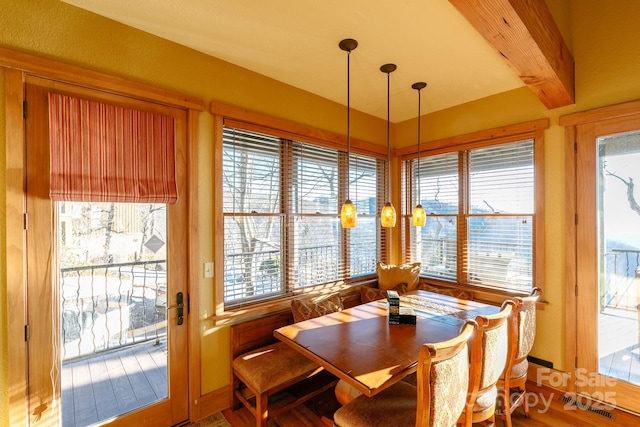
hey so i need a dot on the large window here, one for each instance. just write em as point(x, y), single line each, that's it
point(281, 203)
point(481, 214)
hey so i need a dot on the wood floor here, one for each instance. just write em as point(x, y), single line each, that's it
point(547, 410)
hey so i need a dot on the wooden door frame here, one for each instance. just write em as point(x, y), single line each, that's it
point(571, 122)
point(16, 65)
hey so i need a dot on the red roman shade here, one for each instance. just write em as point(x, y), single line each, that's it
point(107, 153)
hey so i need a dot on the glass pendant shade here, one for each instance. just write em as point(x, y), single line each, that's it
point(348, 215)
point(419, 217)
point(388, 215)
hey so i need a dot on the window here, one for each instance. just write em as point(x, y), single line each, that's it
point(480, 201)
point(281, 203)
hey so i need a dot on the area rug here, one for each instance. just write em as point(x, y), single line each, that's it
point(215, 420)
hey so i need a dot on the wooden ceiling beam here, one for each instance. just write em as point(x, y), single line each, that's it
point(527, 37)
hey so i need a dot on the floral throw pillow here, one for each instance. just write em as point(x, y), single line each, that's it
point(368, 294)
point(305, 310)
point(457, 293)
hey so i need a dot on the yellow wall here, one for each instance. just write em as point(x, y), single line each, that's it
point(600, 35)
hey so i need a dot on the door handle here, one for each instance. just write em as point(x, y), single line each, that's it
point(180, 308)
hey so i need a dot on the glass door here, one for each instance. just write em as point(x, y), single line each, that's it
point(106, 291)
point(608, 277)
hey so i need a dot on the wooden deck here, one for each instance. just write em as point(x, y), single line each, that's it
point(112, 383)
point(618, 346)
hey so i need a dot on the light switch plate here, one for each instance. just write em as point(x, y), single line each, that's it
point(208, 270)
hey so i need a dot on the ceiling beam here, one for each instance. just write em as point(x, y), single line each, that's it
point(527, 37)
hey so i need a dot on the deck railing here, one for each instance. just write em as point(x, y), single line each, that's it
point(621, 280)
point(111, 305)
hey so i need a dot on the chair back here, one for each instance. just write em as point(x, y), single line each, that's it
point(488, 358)
point(524, 326)
point(443, 378)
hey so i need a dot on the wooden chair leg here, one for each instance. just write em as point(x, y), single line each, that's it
point(235, 384)
point(262, 410)
point(525, 403)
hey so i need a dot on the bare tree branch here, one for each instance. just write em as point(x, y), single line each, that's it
point(630, 188)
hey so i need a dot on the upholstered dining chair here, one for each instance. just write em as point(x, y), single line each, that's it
point(488, 357)
point(438, 399)
point(512, 388)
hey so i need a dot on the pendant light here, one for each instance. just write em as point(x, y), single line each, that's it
point(419, 218)
point(388, 214)
point(348, 213)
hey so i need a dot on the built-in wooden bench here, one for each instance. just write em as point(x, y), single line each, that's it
point(268, 376)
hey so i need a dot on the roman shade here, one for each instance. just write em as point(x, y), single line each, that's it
point(106, 153)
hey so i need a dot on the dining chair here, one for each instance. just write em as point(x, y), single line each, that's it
point(512, 388)
point(437, 400)
point(488, 357)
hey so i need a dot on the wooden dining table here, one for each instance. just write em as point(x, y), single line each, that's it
point(359, 346)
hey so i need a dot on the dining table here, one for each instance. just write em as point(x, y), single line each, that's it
point(360, 346)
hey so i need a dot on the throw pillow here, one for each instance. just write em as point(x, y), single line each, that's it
point(456, 293)
point(368, 294)
point(305, 310)
point(391, 275)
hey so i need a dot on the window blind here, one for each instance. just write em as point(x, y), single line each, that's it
point(281, 202)
point(501, 208)
point(435, 244)
point(480, 215)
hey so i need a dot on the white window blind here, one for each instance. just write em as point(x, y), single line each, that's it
point(364, 250)
point(282, 230)
point(480, 215)
point(501, 208)
point(435, 244)
point(253, 222)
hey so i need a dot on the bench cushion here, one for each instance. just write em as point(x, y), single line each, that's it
point(270, 366)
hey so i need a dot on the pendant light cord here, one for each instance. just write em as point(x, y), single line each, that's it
point(348, 120)
point(418, 171)
point(388, 138)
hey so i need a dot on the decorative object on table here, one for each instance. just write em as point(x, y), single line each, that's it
point(399, 315)
point(388, 213)
point(419, 217)
point(348, 213)
point(390, 275)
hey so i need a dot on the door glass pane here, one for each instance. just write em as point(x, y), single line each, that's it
point(112, 296)
point(619, 256)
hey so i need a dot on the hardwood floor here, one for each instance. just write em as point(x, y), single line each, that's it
point(546, 407)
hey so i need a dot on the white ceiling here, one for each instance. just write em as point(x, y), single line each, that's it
point(296, 42)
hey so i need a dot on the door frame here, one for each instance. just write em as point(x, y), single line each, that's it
point(579, 126)
point(16, 66)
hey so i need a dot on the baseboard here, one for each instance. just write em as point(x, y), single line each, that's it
point(210, 403)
